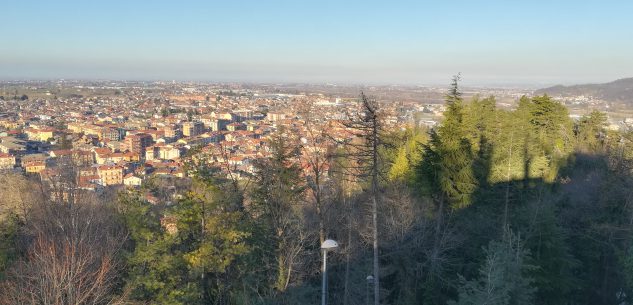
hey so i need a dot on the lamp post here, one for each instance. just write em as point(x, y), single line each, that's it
point(370, 280)
point(326, 246)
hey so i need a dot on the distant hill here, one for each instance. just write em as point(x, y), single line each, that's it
point(620, 90)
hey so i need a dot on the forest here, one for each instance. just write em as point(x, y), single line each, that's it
point(493, 206)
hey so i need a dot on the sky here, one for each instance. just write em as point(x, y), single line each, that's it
point(503, 42)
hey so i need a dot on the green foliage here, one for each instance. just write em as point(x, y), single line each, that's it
point(182, 266)
point(480, 122)
point(590, 130)
point(503, 279)
point(208, 220)
point(516, 158)
point(406, 153)
point(627, 262)
point(279, 188)
point(447, 167)
point(156, 271)
point(508, 160)
point(549, 127)
point(548, 241)
point(9, 227)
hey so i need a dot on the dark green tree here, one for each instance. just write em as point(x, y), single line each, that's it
point(590, 131)
point(447, 167)
point(278, 191)
point(185, 260)
point(9, 227)
point(503, 278)
point(446, 174)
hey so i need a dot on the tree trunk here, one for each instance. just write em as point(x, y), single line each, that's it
point(203, 280)
point(376, 264)
point(507, 199)
point(319, 209)
point(374, 193)
point(347, 256)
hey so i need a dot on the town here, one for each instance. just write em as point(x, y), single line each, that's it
point(120, 134)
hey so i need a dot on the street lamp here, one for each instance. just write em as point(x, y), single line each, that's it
point(326, 246)
point(370, 280)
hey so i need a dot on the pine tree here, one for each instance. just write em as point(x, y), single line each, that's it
point(589, 131)
point(157, 271)
point(185, 265)
point(214, 237)
point(480, 122)
point(447, 167)
point(405, 154)
point(446, 173)
point(9, 227)
point(548, 136)
point(503, 277)
point(279, 188)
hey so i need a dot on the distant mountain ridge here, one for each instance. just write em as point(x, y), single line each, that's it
point(620, 90)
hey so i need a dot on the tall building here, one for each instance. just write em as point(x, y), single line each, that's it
point(110, 175)
point(138, 142)
point(242, 115)
point(192, 129)
point(275, 116)
point(111, 133)
point(171, 131)
point(217, 125)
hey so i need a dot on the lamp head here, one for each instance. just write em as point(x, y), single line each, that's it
point(329, 244)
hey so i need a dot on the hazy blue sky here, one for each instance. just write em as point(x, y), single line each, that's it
point(413, 42)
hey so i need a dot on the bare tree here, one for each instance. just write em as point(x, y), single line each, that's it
point(17, 195)
point(363, 150)
point(71, 256)
point(317, 155)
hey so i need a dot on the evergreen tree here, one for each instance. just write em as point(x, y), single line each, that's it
point(590, 130)
point(480, 122)
point(548, 136)
point(447, 167)
point(9, 227)
point(503, 278)
point(279, 189)
point(213, 237)
point(185, 260)
point(446, 173)
point(157, 271)
point(405, 154)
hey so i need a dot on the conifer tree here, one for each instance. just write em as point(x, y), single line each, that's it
point(503, 278)
point(278, 191)
point(447, 168)
point(446, 174)
point(185, 260)
point(366, 164)
point(589, 130)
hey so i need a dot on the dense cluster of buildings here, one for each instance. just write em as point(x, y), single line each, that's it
point(121, 140)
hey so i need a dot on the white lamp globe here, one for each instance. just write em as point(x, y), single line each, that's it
point(329, 244)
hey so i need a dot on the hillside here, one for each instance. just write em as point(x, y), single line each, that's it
point(617, 91)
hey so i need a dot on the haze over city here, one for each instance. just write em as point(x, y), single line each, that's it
point(531, 43)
